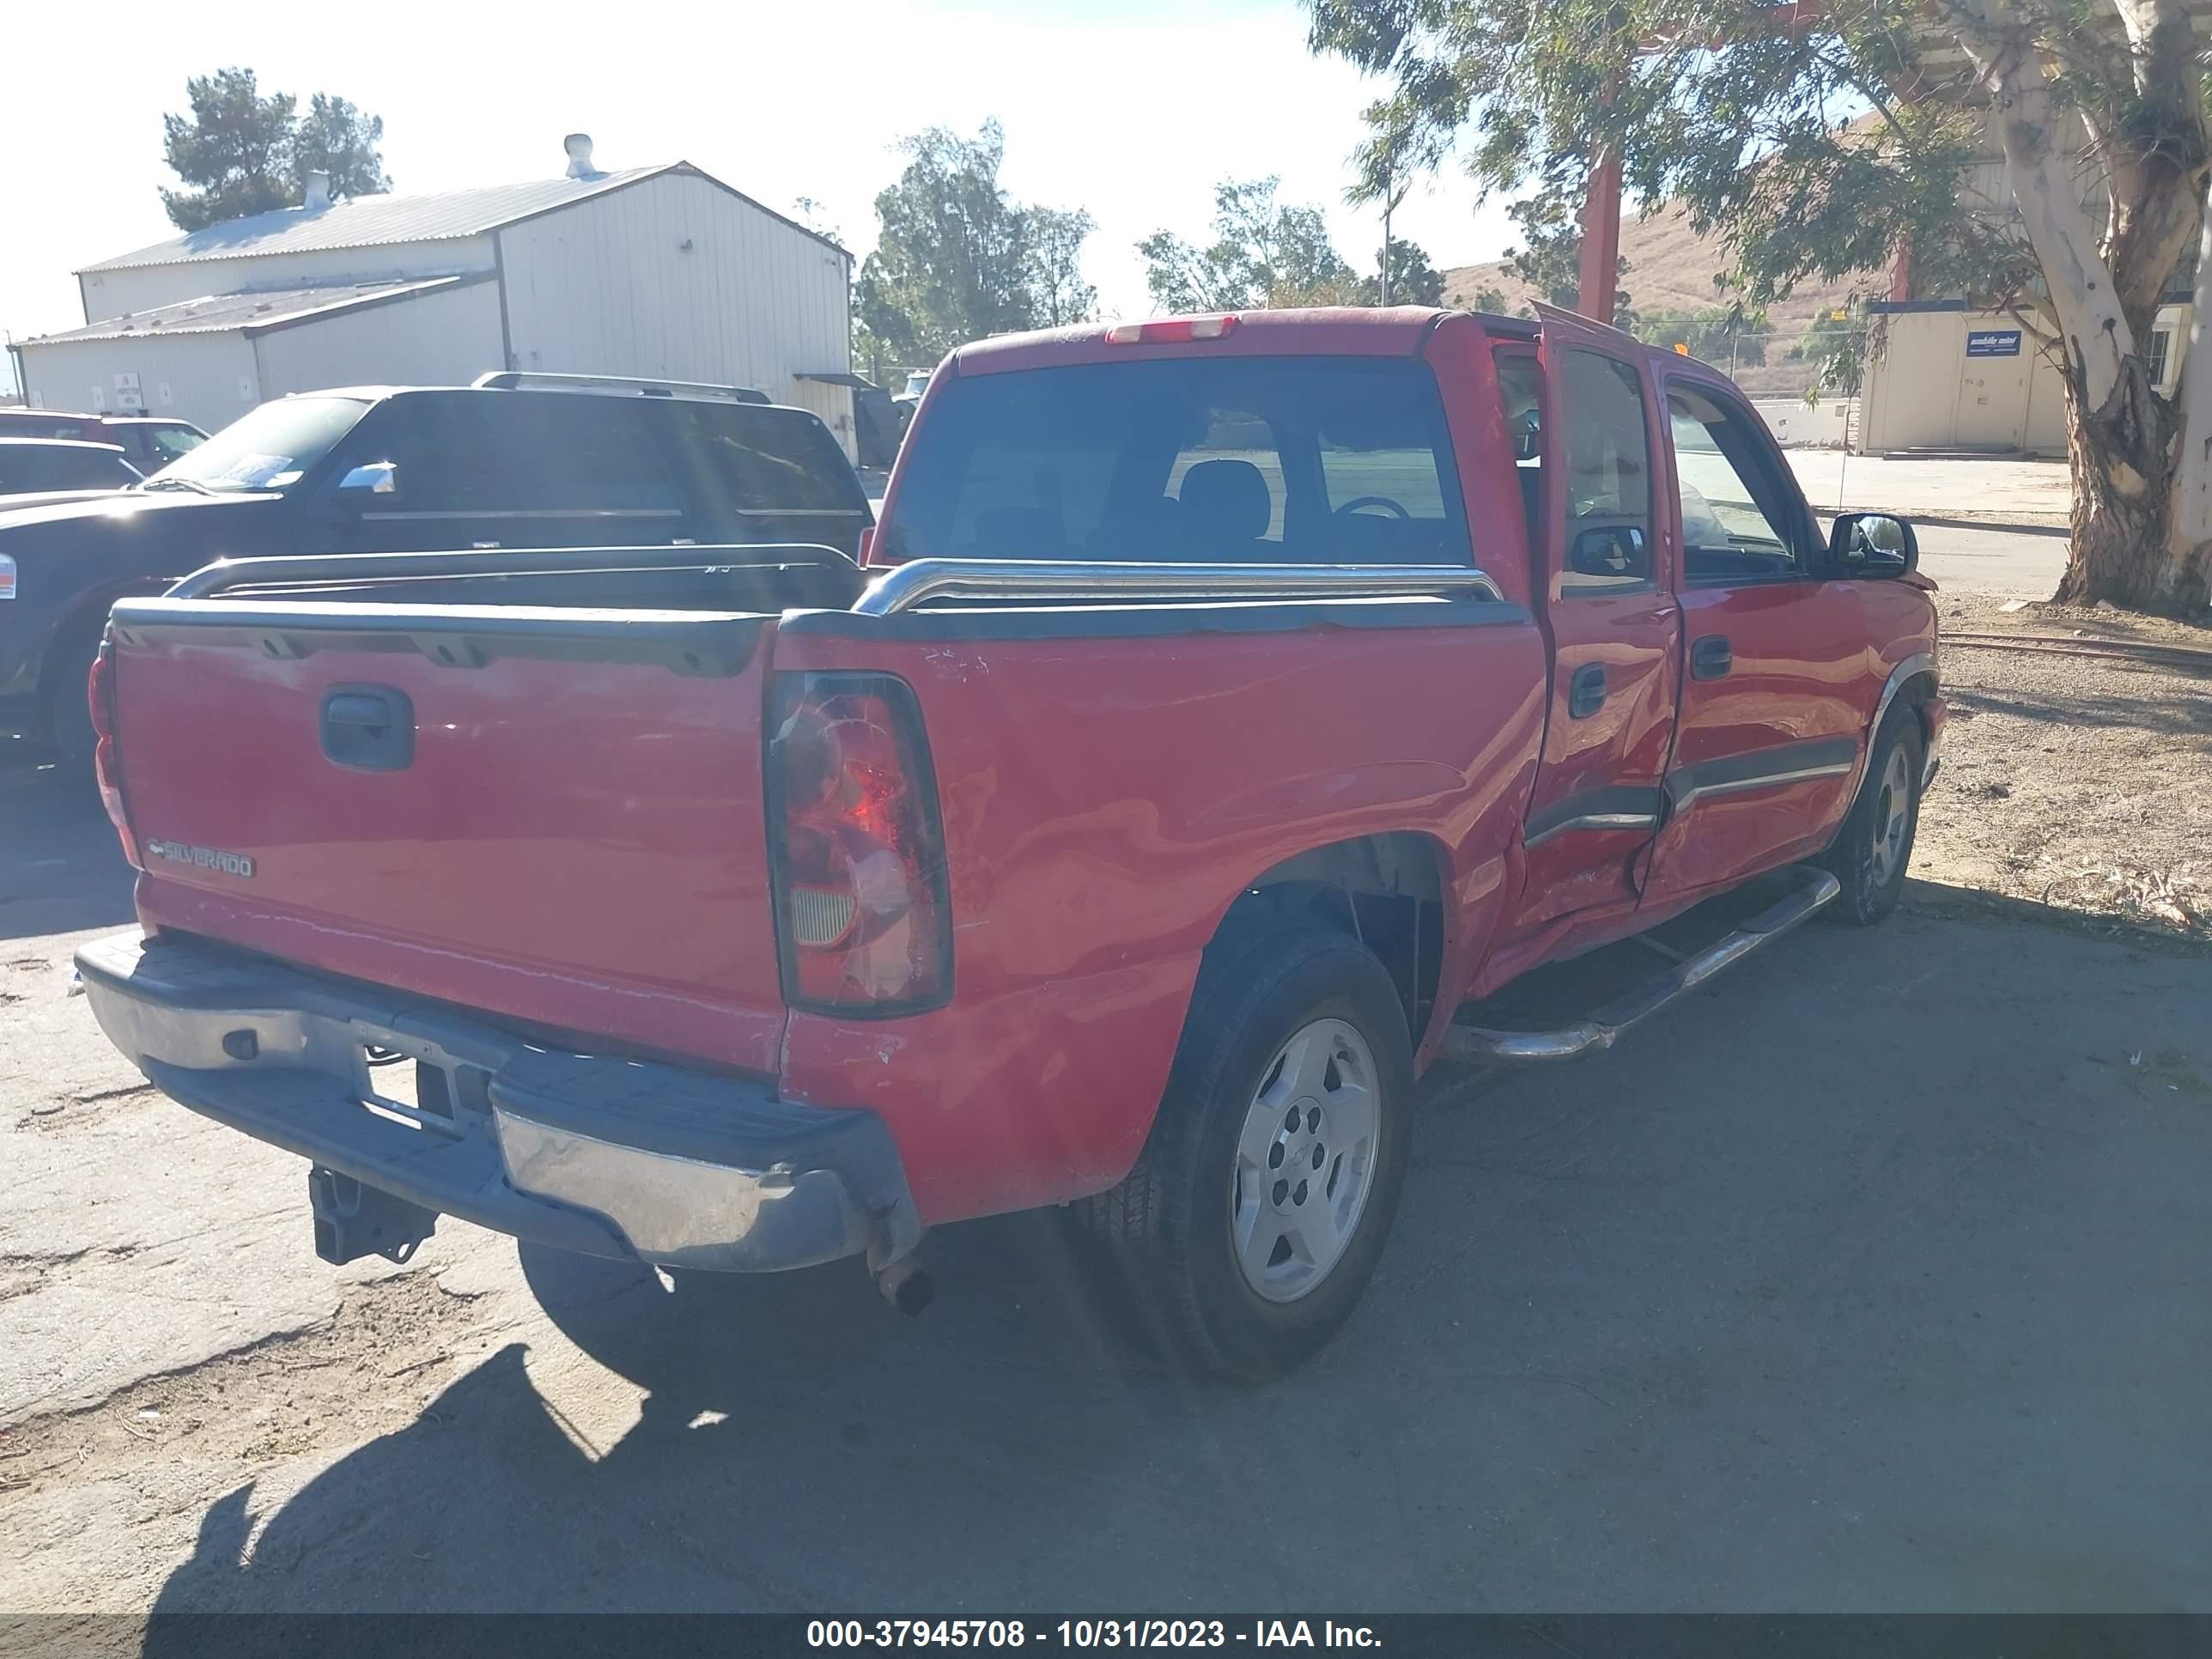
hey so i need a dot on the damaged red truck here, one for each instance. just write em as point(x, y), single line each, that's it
point(1229, 708)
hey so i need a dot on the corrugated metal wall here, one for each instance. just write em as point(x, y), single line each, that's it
point(446, 337)
point(210, 380)
point(677, 278)
point(113, 293)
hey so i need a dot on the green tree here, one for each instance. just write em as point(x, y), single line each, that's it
point(1263, 253)
point(1549, 259)
point(1414, 279)
point(1491, 298)
point(1719, 334)
point(1816, 141)
point(336, 138)
point(1837, 346)
point(1058, 293)
point(240, 153)
point(957, 259)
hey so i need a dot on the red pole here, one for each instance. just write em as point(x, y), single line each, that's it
point(1599, 279)
point(1900, 275)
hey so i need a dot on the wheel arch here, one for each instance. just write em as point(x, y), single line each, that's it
point(1385, 890)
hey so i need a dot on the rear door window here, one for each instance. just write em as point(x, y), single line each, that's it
point(524, 454)
point(768, 462)
point(1252, 459)
point(1606, 450)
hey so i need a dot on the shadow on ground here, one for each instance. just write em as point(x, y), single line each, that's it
point(1872, 1278)
point(61, 867)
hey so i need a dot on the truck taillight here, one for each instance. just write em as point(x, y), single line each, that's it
point(863, 925)
point(107, 763)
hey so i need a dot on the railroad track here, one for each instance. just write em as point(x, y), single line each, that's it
point(2163, 656)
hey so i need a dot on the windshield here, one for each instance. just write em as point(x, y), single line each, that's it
point(269, 448)
point(1251, 460)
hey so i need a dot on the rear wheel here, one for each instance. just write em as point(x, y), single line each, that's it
point(68, 707)
point(1258, 1210)
point(1871, 851)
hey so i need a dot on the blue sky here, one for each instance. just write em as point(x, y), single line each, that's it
point(1133, 110)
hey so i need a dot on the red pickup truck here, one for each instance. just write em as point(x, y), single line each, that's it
point(1227, 710)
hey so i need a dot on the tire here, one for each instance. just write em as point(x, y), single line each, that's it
point(1292, 1013)
point(68, 710)
point(1872, 850)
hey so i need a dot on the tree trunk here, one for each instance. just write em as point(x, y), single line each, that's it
point(2103, 294)
point(2120, 458)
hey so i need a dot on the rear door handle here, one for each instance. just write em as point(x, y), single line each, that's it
point(1586, 691)
point(368, 728)
point(1711, 658)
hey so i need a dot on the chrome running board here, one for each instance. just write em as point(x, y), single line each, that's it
point(1474, 1043)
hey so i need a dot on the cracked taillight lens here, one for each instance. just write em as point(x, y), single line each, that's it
point(863, 925)
point(106, 762)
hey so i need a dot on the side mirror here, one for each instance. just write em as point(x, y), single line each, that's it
point(1873, 544)
point(1619, 550)
point(373, 478)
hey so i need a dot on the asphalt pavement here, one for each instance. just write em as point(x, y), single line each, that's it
point(1872, 1278)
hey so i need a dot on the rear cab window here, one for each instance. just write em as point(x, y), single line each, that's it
point(1222, 460)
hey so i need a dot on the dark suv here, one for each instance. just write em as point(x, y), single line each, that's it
point(515, 460)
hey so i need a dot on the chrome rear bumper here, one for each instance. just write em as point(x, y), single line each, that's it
point(601, 1155)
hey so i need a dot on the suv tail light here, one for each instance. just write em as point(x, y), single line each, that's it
point(863, 924)
point(107, 763)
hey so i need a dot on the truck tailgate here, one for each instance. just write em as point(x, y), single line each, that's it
point(569, 830)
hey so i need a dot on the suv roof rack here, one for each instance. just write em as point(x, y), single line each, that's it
point(516, 379)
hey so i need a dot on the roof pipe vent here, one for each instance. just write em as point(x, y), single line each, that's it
point(579, 146)
point(318, 191)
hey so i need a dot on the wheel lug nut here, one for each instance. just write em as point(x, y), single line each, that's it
point(1290, 1123)
point(1313, 1118)
point(1282, 1188)
point(1319, 1157)
point(1275, 1156)
point(1300, 1196)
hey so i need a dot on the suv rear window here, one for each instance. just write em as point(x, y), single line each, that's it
point(1292, 459)
point(768, 461)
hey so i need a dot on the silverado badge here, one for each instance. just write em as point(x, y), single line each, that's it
point(206, 858)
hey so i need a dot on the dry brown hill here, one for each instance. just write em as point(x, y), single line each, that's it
point(1671, 267)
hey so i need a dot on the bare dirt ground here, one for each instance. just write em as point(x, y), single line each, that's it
point(1870, 1278)
point(2079, 782)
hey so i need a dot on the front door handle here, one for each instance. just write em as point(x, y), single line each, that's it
point(1711, 658)
point(1586, 691)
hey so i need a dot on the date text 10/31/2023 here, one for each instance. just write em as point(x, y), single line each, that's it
point(1083, 1633)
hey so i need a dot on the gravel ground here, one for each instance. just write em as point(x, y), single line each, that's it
point(1870, 1278)
point(2077, 782)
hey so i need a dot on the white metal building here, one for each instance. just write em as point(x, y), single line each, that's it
point(651, 273)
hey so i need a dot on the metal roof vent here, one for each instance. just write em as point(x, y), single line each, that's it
point(579, 146)
point(318, 191)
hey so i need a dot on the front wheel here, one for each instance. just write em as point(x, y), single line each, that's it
point(1871, 851)
point(1257, 1212)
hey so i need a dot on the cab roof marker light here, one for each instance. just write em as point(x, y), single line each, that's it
point(7, 577)
point(1172, 330)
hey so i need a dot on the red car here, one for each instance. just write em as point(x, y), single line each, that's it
point(148, 443)
point(1230, 707)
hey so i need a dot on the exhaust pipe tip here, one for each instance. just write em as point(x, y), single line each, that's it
point(906, 1286)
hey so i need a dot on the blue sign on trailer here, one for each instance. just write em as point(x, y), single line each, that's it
point(1993, 342)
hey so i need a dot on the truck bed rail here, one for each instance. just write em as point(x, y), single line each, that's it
point(348, 568)
point(907, 585)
